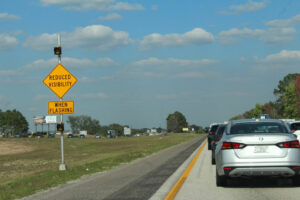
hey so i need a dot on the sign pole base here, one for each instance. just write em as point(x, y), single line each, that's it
point(62, 167)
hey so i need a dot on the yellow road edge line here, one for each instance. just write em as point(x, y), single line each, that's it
point(172, 194)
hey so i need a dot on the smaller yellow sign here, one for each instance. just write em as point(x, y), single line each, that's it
point(60, 107)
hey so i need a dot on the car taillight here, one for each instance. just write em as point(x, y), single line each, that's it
point(211, 133)
point(290, 144)
point(232, 145)
point(293, 131)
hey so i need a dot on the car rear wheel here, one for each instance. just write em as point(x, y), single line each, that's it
point(221, 180)
point(209, 144)
point(296, 180)
point(213, 160)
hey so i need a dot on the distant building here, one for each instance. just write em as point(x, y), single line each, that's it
point(153, 130)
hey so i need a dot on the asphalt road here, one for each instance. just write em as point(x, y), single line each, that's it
point(201, 184)
point(137, 180)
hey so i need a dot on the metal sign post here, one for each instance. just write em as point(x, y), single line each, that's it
point(62, 166)
point(60, 81)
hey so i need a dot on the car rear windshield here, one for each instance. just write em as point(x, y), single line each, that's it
point(258, 128)
point(219, 132)
point(214, 128)
point(295, 126)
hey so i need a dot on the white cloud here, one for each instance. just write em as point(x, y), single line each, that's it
point(43, 97)
point(197, 36)
point(112, 16)
point(98, 95)
point(285, 22)
point(90, 37)
point(287, 60)
point(9, 72)
point(154, 68)
point(44, 41)
point(250, 6)
point(243, 59)
point(154, 7)
point(284, 56)
point(68, 62)
point(8, 16)
point(269, 36)
point(93, 5)
point(85, 79)
point(7, 42)
point(174, 62)
point(3, 98)
point(189, 75)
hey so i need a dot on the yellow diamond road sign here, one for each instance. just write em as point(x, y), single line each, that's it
point(60, 80)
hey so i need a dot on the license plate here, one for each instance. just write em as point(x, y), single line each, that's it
point(260, 149)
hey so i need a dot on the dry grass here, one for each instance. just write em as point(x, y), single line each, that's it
point(30, 164)
point(10, 147)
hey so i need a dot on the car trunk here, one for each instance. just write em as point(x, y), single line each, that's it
point(261, 146)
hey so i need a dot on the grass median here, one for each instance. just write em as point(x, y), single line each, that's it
point(28, 165)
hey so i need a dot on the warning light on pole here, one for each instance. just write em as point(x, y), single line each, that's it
point(60, 127)
point(57, 51)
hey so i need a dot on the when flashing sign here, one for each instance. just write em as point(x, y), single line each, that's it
point(60, 107)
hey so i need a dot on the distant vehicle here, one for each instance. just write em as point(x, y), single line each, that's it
point(72, 136)
point(211, 132)
point(111, 134)
point(19, 135)
point(264, 116)
point(51, 135)
point(295, 128)
point(137, 135)
point(83, 133)
point(257, 147)
point(98, 136)
point(38, 135)
point(217, 137)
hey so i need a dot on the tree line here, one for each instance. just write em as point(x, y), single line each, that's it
point(286, 105)
point(11, 122)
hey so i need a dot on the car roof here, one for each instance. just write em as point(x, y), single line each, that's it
point(255, 120)
point(294, 122)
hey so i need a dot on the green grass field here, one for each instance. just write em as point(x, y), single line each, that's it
point(28, 165)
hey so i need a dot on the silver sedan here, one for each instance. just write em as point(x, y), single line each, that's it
point(255, 147)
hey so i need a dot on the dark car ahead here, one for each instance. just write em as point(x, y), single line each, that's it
point(211, 132)
point(72, 136)
point(19, 135)
point(51, 135)
point(217, 137)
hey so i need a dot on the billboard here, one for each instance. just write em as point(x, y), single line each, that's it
point(50, 119)
point(39, 120)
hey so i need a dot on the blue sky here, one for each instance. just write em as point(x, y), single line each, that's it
point(138, 61)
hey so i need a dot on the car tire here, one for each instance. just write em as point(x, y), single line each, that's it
point(213, 160)
point(221, 181)
point(296, 180)
point(209, 145)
